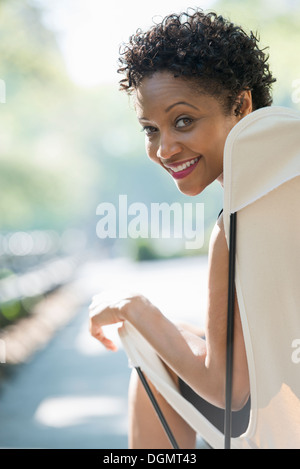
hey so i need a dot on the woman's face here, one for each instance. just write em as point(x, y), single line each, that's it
point(185, 131)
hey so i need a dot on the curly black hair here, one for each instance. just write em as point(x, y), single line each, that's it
point(204, 48)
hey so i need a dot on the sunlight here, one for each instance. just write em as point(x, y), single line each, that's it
point(90, 32)
point(66, 411)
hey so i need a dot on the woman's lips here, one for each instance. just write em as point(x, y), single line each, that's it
point(182, 169)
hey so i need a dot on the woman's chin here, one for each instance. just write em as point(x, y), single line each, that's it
point(191, 191)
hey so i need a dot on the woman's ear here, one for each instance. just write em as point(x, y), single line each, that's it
point(243, 104)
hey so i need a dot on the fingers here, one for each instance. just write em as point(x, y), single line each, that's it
point(108, 308)
point(109, 344)
point(101, 315)
point(97, 333)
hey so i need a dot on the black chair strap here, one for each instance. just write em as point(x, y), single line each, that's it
point(157, 408)
point(230, 331)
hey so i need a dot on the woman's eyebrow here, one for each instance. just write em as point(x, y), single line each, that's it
point(178, 103)
point(171, 107)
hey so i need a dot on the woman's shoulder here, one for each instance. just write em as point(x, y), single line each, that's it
point(217, 238)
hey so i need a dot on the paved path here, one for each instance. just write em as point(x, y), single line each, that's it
point(72, 393)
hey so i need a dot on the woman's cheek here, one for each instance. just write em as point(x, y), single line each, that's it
point(151, 153)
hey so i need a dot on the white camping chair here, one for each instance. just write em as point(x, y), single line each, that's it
point(262, 227)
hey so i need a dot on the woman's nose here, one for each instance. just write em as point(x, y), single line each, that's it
point(168, 147)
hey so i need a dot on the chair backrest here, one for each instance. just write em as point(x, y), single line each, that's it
point(262, 186)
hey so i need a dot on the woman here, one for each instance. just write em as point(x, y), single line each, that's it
point(193, 77)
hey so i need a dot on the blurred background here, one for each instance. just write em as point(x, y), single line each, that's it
point(69, 141)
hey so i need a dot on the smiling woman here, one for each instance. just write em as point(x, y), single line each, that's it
point(193, 77)
point(185, 130)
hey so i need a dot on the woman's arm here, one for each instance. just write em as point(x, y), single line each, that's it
point(216, 324)
point(201, 363)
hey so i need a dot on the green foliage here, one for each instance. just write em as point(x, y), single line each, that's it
point(43, 172)
point(277, 25)
point(64, 149)
point(14, 310)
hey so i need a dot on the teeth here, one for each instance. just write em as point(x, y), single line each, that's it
point(184, 165)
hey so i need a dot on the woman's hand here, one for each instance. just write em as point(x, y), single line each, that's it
point(112, 308)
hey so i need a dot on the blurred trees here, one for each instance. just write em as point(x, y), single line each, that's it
point(65, 149)
point(41, 167)
point(277, 25)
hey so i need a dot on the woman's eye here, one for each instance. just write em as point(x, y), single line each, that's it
point(149, 130)
point(183, 122)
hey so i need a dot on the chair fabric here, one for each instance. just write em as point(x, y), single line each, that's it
point(262, 185)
